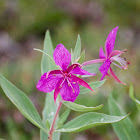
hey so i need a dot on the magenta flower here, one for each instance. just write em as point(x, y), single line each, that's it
point(109, 57)
point(63, 81)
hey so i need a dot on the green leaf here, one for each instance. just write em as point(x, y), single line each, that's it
point(46, 64)
point(77, 49)
point(124, 129)
point(80, 108)
point(49, 57)
point(131, 94)
point(21, 101)
point(49, 107)
point(63, 118)
point(93, 85)
point(88, 120)
point(93, 68)
point(47, 124)
point(81, 58)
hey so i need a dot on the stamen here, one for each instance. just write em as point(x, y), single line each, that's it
point(124, 58)
point(47, 74)
point(121, 61)
point(70, 86)
point(62, 83)
point(74, 66)
point(125, 50)
point(118, 65)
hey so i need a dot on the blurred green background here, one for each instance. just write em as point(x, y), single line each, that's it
point(22, 27)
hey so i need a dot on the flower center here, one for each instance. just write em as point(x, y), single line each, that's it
point(121, 61)
point(66, 75)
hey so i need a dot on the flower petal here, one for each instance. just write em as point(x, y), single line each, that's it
point(54, 72)
point(58, 87)
point(104, 68)
point(69, 92)
point(110, 41)
point(72, 67)
point(115, 77)
point(61, 56)
point(80, 81)
point(47, 84)
point(56, 92)
point(78, 70)
point(115, 52)
point(101, 53)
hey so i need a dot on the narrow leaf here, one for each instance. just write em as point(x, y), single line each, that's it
point(77, 49)
point(80, 108)
point(63, 118)
point(93, 85)
point(94, 68)
point(88, 120)
point(81, 58)
point(21, 101)
point(125, 129)
point(131, 94)
point(46, 64)
point(49, 107)
point(49, 57)
point(47, 124)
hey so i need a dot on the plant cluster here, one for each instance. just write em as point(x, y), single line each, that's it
point(63, 83)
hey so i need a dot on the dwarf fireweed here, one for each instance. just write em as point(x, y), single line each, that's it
point(63, 81)
point(67, 81)
point(110, 57)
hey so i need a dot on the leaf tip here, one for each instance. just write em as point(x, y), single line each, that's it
point(102, 105)
point(129, 113)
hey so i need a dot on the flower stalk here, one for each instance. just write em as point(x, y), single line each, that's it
point(53, 124)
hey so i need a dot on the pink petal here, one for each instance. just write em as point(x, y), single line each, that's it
point(72, 67)
point(80, 71)
point(108, 74)
point(61, 56)
point(110, 41)
point(54, 72)
point(80, 81)
point(47, 84)
point(93, 62)
point(115, 77)
point(104, 68)
point(101, 53)
point(115, 52)
point(58, 87)
point(56, 92)
point(69, 92)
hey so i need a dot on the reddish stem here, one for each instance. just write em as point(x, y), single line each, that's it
point(93, 62)
point(55, 117)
